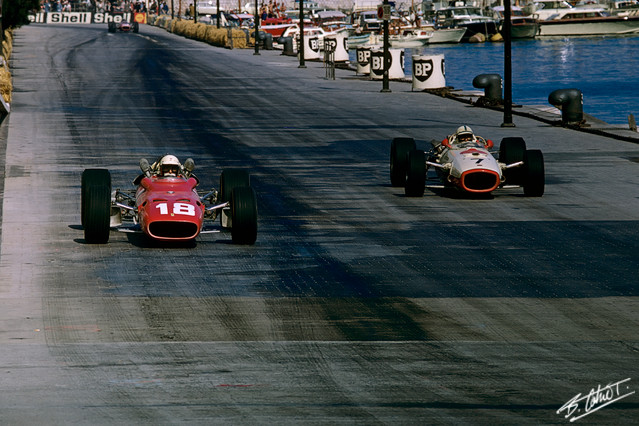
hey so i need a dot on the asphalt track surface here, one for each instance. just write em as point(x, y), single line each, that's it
point(356, 305)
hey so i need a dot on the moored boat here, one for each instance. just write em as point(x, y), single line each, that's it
point(358, 40)
point(548, 9)
point(276, 26)
point(445, 35)
point(588, 22)
point(521, 25)
point(478, 26)
point(623, 7)
point(410, 38)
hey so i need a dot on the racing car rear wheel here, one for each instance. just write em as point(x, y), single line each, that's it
point(112, 27)
point(136, 27)
point(400, 147)
point(244, 215)
point(96, 205)
point(534, 180)
point(512, 150)
point(416, 176)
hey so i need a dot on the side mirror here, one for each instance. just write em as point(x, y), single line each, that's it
point(145, 167)
point(189, 165)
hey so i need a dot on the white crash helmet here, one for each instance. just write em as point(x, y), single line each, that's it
point(464, 131)
point(169, 165)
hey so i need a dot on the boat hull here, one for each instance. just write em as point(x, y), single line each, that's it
point(276, 30)
point(587, 27)
point(487, 29)
point(447, 35)
point(523, 28)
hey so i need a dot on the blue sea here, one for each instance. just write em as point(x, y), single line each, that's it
point(605, 69)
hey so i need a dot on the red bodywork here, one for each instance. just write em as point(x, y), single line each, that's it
point(276, 26)
point(169, 208)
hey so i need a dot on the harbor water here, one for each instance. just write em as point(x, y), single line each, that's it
point(603, 68)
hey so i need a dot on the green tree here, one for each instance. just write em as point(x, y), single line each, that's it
point(16, 12)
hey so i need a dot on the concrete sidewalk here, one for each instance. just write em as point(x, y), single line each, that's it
point(544, 113)
point(551, 115)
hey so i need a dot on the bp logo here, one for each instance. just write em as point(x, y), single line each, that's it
point(363, 57)
point(313, 43)
point(330, 44)
point(377, 63)
point(423, 69)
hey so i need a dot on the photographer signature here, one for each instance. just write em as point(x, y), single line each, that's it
point(595, 400)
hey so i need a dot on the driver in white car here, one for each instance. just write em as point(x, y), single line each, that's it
point(463, 135)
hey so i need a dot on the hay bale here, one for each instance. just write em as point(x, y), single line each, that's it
point(239, 39)
point(200, 33)
point(7, 44)
point(179, 28)
point(6, 87)
point(216, 37)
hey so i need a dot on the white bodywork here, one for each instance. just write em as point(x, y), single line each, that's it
point(469, 166)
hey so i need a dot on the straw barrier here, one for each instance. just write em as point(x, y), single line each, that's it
point(5, 75)
point(207, 33)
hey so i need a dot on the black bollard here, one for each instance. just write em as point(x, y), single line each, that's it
point(268, 41)
point(287, 42)
point(492, 85)
point(570, 102)
point(260, 38)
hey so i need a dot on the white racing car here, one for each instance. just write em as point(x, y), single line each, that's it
point(467, 164)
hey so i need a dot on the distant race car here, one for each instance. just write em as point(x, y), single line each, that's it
point(168, 208)
point(124, 27)
point(468, 166)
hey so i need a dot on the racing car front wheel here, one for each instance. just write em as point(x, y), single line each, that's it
point(416, 175)
point(400, 147)
point(96, 205)
point(92, 177)
point(232, 178)
point(244, 215)
point(512, 150)
point(534, 174)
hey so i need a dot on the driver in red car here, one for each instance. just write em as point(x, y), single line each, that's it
point(167, 166)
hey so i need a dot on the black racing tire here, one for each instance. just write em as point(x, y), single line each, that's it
point(112, 27)
point(535, 175)
point(232, 178)
point(513, 150)
point(92, 177)
point(244, 215)
point(136, 27)
point(416, 175)
point(96, 205)
point(400, 147)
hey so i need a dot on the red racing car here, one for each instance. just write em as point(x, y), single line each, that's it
point(124, 27)
point(166, 206)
